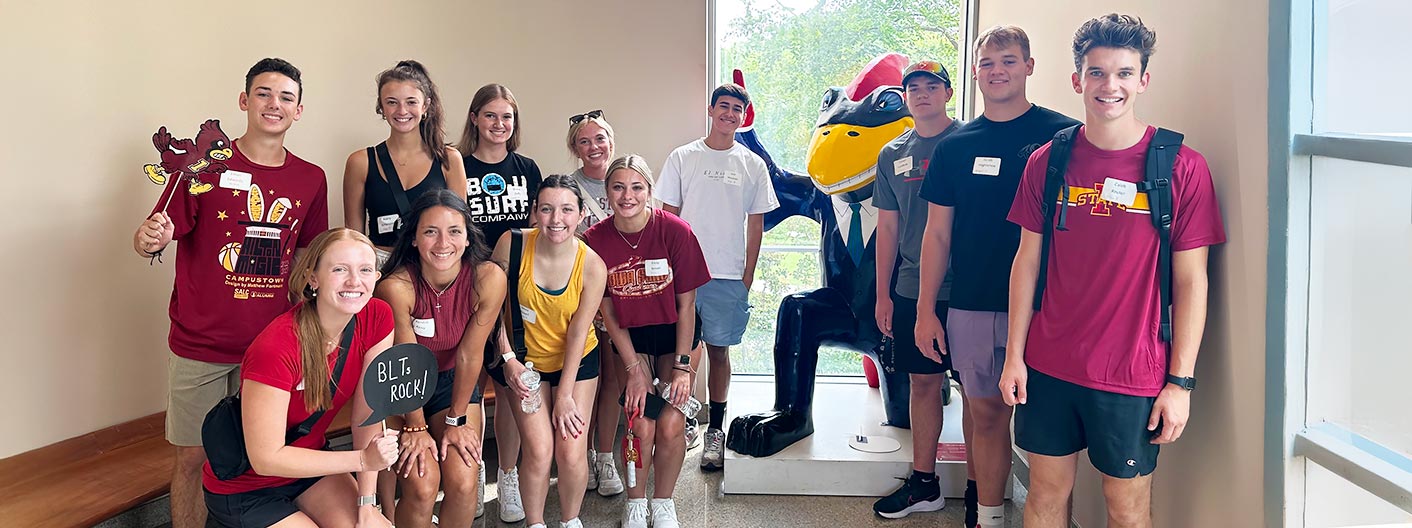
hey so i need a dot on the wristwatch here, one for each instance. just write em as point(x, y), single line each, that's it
point(684, 360)
point(367, 500)
point(455, 421)
point(1185, 383)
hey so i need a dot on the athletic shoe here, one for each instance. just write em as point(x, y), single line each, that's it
point(713, 457)
point(972, 504)
point(571, 523)
point(635, 513)
point(664, 514)
point(536, 525)
point(592, 468)
point(693, 433)
point(511, 509)
point(609, 484)
point(480, 493)
point(914, 496)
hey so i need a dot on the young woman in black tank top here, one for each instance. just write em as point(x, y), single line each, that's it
point(415, 158)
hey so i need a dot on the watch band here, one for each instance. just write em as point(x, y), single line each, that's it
point(455, 421)
point(507, 356)
point(367, 500)
point(1188, 383)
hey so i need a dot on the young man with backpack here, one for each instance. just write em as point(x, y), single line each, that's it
point(1108, 289)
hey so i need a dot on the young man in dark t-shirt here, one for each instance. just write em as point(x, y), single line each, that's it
point(238, 241)
point(970, 186)
point(901, 218)
point(1091, 370)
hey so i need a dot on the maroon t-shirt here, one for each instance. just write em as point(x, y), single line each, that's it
point(274, 360)
point(1099, 326)
point(644, 282)
point(235, 246)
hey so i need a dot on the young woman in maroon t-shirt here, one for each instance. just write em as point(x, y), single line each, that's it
point(285, 378)
point(654, 265)
point(445, 294)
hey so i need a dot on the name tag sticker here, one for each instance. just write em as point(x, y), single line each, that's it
point(731, 177)
point(387, 223)
point(901, 166)
point(234, 179)
point(527, 314)
point(424, 327)
point(986, 166)
point(1119, 192)
point(657, 267)
point(517, 192)
point(301, 385)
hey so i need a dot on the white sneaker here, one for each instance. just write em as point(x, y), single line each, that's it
point(536, 525)
point(713, 456)
point(609, 484)
point(511, 508)
point(592, 469)
point(635, 513)
point(664, 514)
point(692, 434)
point(480, 494)
point(571, 523)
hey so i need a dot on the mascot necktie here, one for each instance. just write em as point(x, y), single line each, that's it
point(855, 232)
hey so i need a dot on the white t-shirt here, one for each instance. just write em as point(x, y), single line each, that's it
point(717, 190)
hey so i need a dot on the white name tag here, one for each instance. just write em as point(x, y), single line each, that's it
point(900, 167)
point(424, 327)
point(731, 178)
point(527, 314)
point(1119, 191)
point(516, 192)
point(234, 179)
point(300, 386)
point(387, 223)
point(986, 166)
point(657, 267)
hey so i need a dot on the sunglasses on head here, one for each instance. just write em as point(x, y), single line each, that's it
point(595, 114)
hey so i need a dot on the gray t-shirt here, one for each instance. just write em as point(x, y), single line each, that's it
point(595, 201)
point(902, 164)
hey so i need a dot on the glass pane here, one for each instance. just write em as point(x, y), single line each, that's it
point(778, 274)
point(1360, 287)
point(1365, 81)
point(1332, 502)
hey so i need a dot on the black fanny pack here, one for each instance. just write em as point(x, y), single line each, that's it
point(223, 434)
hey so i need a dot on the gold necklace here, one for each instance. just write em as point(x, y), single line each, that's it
point(640, 234)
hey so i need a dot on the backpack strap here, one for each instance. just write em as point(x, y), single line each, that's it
point(515, 326)
point(307, 426)
point(1157, 183)
point(1054, 200)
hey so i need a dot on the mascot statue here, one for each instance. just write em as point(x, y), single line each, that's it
point(854, 124)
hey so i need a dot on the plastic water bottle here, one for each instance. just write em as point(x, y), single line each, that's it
point(530, 379)
point(688, 409)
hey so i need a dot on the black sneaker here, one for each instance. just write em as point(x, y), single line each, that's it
point(972, 504)
point(914, 496)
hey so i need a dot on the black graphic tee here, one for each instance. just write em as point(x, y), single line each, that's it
point(500, 194)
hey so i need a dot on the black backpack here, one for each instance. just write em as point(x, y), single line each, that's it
point(1157, 183)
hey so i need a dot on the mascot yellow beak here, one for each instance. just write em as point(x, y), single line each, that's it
point(844, 158)
point(221, 155)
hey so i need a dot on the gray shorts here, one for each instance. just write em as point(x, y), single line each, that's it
point(977, 344)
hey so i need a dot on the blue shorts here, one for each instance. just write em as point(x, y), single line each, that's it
point(723, 307)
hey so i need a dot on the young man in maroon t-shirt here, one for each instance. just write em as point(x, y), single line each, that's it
point(238, 241)
point(1090, 370)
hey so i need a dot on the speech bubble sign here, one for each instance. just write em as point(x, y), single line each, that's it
point(400, 380)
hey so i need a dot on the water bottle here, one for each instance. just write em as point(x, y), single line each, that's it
point(688, 409)
point(530, 379)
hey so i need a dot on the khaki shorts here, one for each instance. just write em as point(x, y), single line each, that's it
point(193, 388)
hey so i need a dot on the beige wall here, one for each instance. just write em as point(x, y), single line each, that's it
point(88, 82)
point(1209, 80)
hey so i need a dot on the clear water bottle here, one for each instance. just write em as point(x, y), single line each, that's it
point(530, 379)
point(688, 409)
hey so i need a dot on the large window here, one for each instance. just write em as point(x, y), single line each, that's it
point(1340, 435)
point(791, 51)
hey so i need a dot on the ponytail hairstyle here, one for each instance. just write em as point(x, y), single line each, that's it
point(433, 118)
point(312, 351)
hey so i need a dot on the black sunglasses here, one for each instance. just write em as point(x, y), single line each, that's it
point(574, 120)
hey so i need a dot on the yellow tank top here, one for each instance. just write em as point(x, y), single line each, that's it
point(546, 316)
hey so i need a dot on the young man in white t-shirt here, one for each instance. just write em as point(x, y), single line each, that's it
point(723, 190)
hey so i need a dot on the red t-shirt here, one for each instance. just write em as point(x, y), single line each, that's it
point(644, 282)
point(234, 252)
point(1099, 326)
point(274, 359)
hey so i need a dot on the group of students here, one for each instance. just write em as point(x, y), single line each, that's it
point(544, 285)
point(981, 206)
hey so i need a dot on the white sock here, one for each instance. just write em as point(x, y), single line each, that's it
point(989, 516)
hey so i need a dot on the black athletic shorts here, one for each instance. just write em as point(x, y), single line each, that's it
point(1062, 418)
point(588, 369)
point(441, 398)
point(258, 508)
point(660, 340)
point(903, 352)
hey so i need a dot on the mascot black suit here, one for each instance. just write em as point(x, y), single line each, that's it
point(854, 124)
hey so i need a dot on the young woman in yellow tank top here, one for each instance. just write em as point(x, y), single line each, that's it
point(560, 286)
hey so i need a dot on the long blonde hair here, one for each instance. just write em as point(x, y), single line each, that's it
point(312, 354)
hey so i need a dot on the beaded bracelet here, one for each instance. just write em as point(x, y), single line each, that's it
point(417, 429)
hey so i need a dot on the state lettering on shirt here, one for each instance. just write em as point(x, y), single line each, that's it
point(986, 166)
